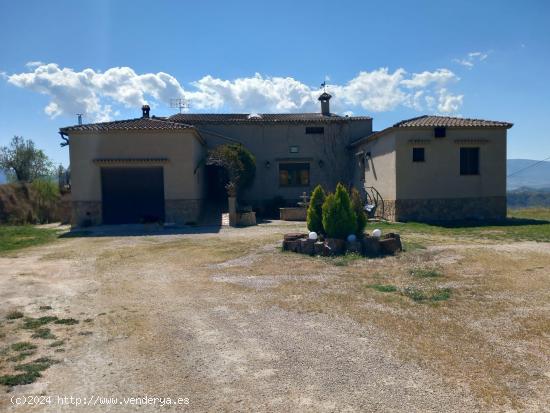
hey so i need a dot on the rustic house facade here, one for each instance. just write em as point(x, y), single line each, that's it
point(427, 168)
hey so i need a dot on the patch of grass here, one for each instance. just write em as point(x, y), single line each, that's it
point(425, 272)
point(36, 366)
point(530, 224)
point(13, 315)
point(383, 288)
point(85, 333)
point(44, 333)
point(345, 259)
point(415, 294)
point(57, 343)
point(21, 356)
point(32, 323)
point(67, 321)
point(88, 320)
point(418, 295)
point(15, 237)
point(443, 294)
point(409, 246)
point(18, 379)
point(45, 307)
point(22, 346)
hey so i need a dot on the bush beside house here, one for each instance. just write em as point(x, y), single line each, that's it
point(35, 203)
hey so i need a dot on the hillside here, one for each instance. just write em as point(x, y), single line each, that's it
point(537, 177)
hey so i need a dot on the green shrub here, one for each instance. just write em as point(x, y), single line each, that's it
point(315, 210)
point(47, 196)
point(339, 218)
point(359, 212)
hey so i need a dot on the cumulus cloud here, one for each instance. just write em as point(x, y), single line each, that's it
point(471, 59)
point(96, 93)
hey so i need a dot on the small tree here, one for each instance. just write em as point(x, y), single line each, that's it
point(239, 163)
point(315, 210)
point(339, 219)
point(23, 162)
point(357, 205)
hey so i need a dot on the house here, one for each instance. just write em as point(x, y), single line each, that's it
point(153, 168)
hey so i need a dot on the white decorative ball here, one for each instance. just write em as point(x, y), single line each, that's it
point(352, 237)
point(377, 233)
point(312, 235)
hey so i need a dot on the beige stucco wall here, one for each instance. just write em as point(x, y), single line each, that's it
point(439, 176)
point(378, 170)
point(182, 148)
point(271, 143)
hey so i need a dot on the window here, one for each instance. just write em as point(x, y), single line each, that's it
point(294, 149)
point(311, 130)
point(418, 155)
point(294, 174)
point(440, 132)
point(469, 161)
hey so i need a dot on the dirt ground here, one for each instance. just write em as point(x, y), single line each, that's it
point(230, 322)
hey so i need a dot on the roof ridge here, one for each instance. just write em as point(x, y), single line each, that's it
point(456, 121)
point(396, 125)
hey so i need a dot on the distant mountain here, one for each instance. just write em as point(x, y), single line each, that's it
point(3, 178)
point(536, 177)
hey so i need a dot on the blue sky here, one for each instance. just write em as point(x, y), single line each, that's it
point(391, 60)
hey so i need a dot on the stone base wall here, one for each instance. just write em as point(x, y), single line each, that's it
point(86, 213)
point(179, 211)
point(293, 214)
point(183, 211)
point(450, 209)
point(388, 213)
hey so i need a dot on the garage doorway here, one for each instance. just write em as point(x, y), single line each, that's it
point(132, 195)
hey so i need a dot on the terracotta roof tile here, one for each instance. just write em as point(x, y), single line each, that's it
point(129, 124)
point(194, 118)
point(446, 121)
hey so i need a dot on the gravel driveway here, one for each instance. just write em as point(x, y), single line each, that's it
point(164, 324)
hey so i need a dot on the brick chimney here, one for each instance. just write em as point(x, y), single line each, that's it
point(145, 110)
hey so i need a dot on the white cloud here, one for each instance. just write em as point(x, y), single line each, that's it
point(472, 59)
point(34, 63)
point(97, 94)
point(449, 103)
point(91, 92)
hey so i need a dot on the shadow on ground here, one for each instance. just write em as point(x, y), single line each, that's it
point(139, 230)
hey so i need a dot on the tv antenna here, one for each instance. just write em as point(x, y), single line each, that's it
point(179, 103)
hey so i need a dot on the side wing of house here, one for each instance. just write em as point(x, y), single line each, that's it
point(130, 176)
point(461, 175)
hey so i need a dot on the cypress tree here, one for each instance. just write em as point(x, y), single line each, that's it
point(315, 210)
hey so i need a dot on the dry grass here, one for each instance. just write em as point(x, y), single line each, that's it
point(483, 323)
